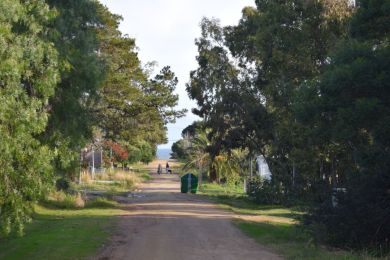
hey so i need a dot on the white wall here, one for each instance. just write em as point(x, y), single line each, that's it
point(262, 168)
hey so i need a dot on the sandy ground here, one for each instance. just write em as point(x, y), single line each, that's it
point(164, 224)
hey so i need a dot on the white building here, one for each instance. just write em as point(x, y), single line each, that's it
point(262, 168)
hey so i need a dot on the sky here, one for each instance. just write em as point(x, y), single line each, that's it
point(165, 32)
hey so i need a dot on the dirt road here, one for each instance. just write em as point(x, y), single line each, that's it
point(164, 224)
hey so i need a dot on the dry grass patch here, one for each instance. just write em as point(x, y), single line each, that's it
point(116, 181)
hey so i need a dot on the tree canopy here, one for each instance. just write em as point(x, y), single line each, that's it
point(304, 84)
point(66, 74)
point(29, 73)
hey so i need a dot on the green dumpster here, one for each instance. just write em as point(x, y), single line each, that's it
point(189, 183)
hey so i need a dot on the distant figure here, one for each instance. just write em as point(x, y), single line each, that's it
point(167, 168)
point(159, 169)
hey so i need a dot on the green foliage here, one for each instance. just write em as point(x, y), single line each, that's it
point(135, 154)
point(133, 108)
point(277, 227)
point(291, 241)
point(353, 109)
point(65, 71)
point(179, 150)
point(182, 148)
point(28, 76)
point(264, 192)
point(74, 34)
point(305, 85)
point(62, 184)
point(148, 153)
point(289, 44)
point(223, 93)
point(224, 167)
point(371, 21)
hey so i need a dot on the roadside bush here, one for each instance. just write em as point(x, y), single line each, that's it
point(360, 220)
point(62, 200)
point(62, 184)
point(263, 192)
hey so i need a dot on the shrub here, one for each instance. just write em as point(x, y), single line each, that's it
point(62, 184)
point(263, 191)
point(62, 200)
point(360, 220)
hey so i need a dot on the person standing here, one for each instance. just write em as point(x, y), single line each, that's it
point(159, 169)
point(167, 168)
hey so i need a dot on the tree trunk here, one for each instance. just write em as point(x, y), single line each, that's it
point(200, 177)
point(213, 174)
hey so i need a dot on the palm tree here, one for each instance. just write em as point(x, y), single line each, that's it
point(199, 156)
point(224, 165)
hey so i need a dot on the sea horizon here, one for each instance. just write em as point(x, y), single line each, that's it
point(164, 153)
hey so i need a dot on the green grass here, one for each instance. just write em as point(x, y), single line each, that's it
point(290, 241)
point(61, 231)
point(234, 198)
point(63, 234)
point(214, 189)
point(110, 188)
point(145, 175)
point(286, 239)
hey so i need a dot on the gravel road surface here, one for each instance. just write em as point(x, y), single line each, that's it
point(164, 224)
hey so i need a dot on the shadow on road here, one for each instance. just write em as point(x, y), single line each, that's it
point(162, 223)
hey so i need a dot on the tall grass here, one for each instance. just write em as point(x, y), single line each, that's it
point(62, 200)
point(111, 181)
point(66, 201)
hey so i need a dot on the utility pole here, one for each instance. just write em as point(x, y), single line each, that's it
point(81, 162)
point(112, 163)
point(200, 175)
point(251, 168)
point(93, 164)
point(101, 158)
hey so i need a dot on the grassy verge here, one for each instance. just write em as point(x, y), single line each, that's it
point(65, 226)
point(112, 182)
point(63, 234)
point(234, 198)
point(286, 239)
point(290, 241)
